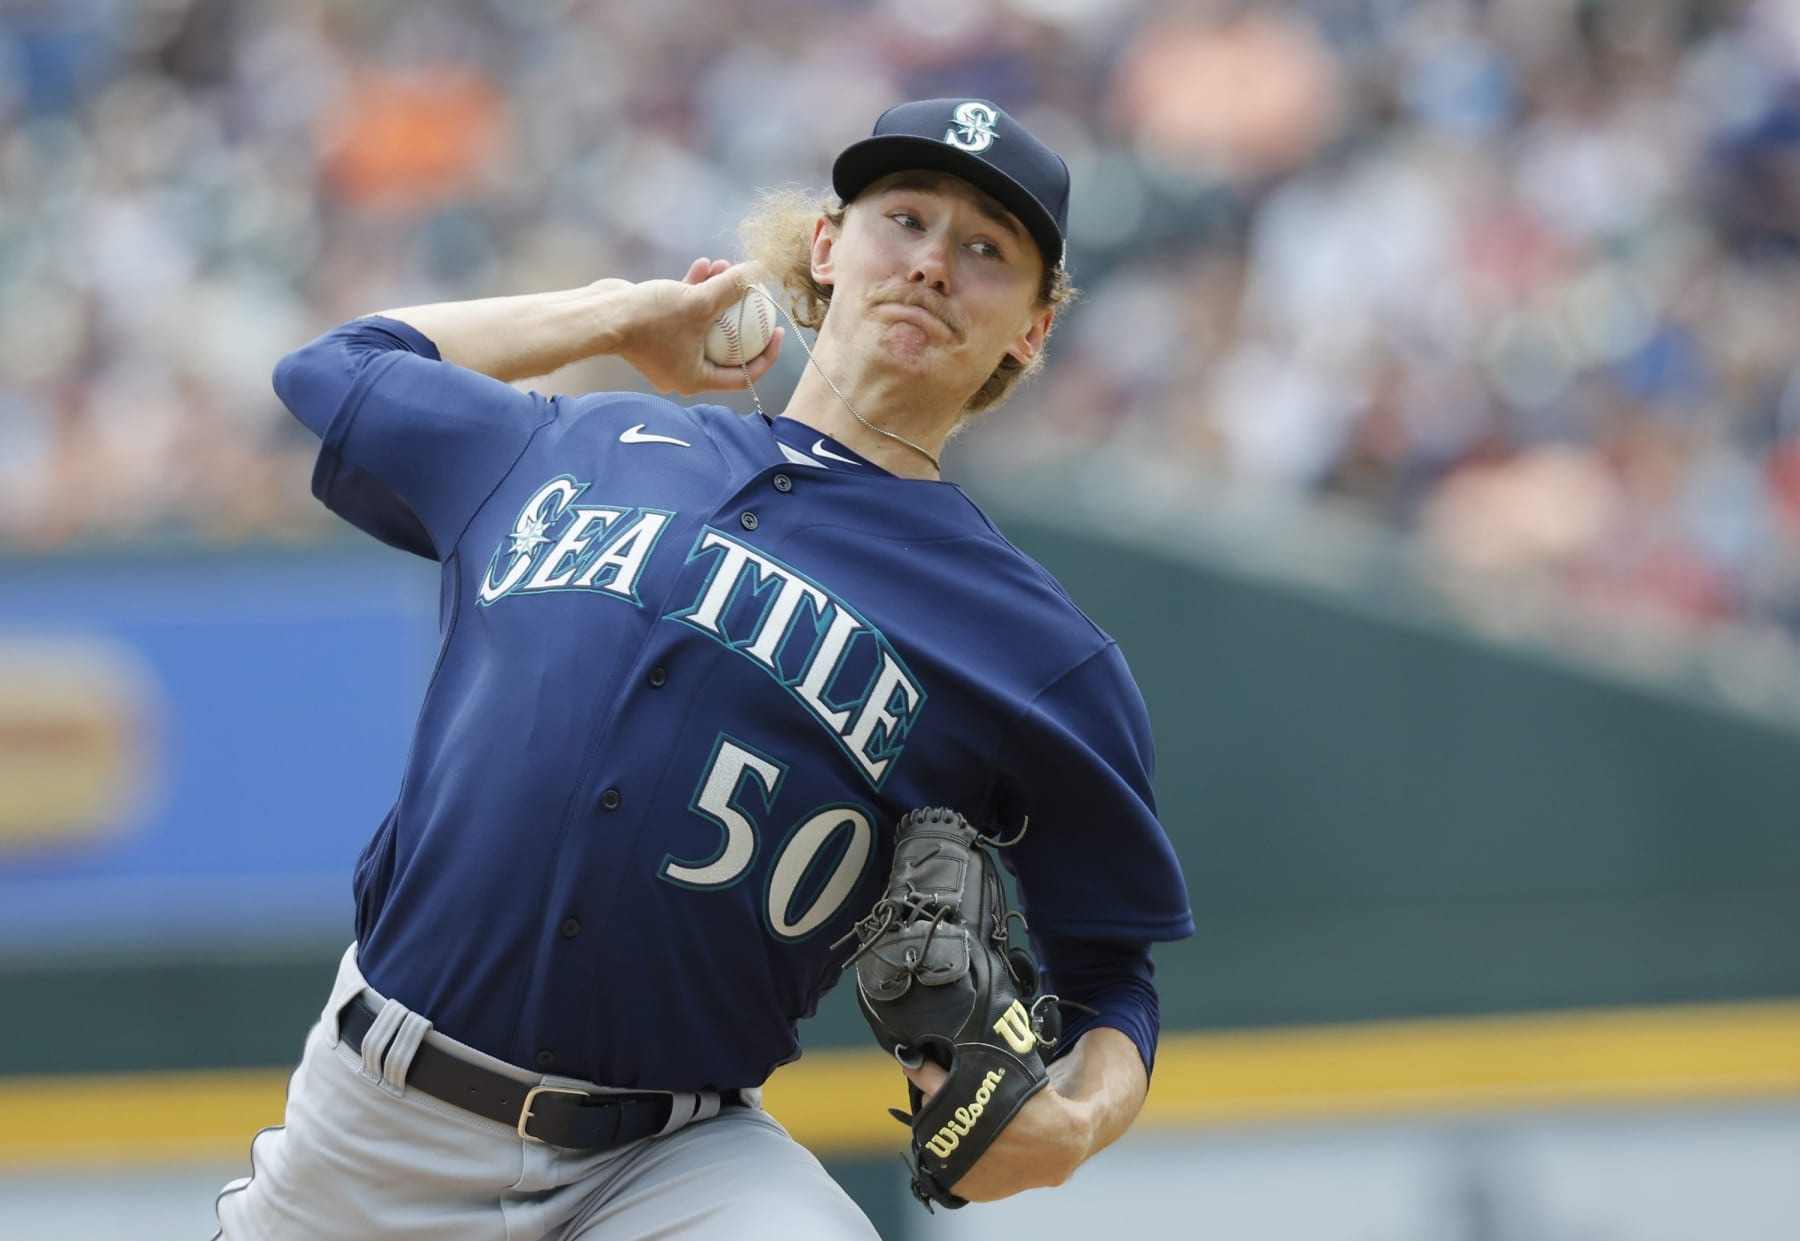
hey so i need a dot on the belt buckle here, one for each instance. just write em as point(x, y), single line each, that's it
point(525, 1108)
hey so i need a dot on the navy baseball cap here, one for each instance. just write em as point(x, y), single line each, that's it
point(977, 141)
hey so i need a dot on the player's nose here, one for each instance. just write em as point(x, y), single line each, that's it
point(931, 263)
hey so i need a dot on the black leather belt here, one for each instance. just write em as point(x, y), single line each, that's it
point(557, 1115)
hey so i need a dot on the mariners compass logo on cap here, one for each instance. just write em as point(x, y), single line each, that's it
point(971, 126)
point(974, 139)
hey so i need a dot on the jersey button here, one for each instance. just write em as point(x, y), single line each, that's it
point(611, 799)
point(546, 1058)
point(748, 521)
point(571, 927)
point(783, 483)
point(659, 677)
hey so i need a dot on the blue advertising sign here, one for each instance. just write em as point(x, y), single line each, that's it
point(196, 746)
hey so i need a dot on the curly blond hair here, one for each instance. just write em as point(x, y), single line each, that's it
point(778, 233)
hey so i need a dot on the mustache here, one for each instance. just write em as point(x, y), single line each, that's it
point(931, 303)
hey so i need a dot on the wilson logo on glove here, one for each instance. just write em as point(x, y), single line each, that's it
point(951, 1135)
point(1015, 1027)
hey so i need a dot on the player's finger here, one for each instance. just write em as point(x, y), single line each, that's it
point(727, 283)
point(697, 271)
point(929, 1077)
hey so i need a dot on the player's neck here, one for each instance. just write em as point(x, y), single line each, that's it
point(815, 404)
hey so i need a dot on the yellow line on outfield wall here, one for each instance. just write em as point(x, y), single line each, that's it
point(836, 1101)
point(1548, 1060)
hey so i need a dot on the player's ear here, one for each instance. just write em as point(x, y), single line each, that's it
point(1030, 340)
point(823, 240)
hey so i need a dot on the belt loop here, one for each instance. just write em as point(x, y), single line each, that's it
point(400, 1051)
point(381, 1031)
point(703, 1105)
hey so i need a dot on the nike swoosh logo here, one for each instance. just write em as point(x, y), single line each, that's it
point(637, 435)
point(823, 451)
point(799, 458)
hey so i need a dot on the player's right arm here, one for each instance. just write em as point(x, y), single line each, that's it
point(658, 326)
point(415, 412)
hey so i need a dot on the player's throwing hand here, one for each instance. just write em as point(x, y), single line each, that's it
point(664, 333)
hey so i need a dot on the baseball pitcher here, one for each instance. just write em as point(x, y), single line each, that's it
point(727, 708)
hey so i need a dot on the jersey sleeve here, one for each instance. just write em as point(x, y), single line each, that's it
point(1095, 862)
point(410, 445)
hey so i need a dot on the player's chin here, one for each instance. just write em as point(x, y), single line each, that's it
point(908, 344)
point(924, 354)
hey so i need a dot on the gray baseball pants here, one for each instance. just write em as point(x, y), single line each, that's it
point(361, 1156)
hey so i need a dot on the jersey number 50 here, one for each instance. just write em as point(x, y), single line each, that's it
point(841, 830)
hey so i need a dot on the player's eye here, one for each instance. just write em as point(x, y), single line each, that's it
point(987, 250)
point(905, 219)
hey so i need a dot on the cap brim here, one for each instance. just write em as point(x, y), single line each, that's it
point(873, 158)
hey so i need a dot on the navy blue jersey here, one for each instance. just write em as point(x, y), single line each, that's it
point(694, 666)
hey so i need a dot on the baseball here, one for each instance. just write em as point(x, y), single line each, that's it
point(743, 331)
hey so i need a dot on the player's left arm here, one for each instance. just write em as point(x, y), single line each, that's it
point(1100, 883)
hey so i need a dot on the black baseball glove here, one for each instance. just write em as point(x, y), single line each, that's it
point(939, 979)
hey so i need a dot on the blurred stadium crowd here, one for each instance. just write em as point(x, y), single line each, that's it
point(1515, 278)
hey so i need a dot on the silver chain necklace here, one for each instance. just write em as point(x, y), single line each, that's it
point(744, 364)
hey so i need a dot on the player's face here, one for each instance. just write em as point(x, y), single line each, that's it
point(944, 279)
